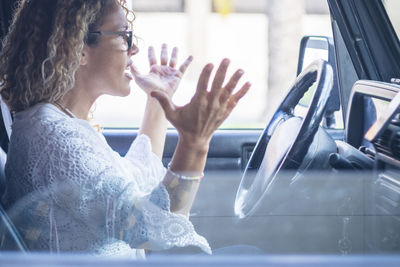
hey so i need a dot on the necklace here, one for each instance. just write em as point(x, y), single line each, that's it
point(64, 109)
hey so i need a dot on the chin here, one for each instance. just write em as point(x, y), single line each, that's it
point(122, 90)
point(122, 93)
point(126, 92)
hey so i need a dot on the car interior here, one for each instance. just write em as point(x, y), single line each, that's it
point(301, 185)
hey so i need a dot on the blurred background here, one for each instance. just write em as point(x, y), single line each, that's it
point(260, 36)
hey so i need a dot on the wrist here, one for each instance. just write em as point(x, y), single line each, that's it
point(153, 107)
point(196, 145)
point(186, 176)
point(151, 100)
point(189, 157)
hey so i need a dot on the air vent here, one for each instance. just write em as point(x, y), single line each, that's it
point(396, 144)
point(382, 143)
point(388, 142)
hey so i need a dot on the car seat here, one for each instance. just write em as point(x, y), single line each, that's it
point(7, 228)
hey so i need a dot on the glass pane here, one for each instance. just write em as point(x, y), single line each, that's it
point(264, 42)
point(393, 11)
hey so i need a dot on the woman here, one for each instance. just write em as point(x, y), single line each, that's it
point(68, 189)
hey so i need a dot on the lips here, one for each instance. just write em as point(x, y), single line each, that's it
point(128, 74)
point(127, 71)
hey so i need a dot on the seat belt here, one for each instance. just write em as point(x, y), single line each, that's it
point(7, 118)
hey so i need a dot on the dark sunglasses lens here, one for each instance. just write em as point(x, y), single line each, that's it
point(129, 40)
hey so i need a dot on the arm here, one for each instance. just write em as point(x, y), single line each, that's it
point(154, 125)
point(115, 205)
point(195, 123)
point(187, 160)
point(162, 77)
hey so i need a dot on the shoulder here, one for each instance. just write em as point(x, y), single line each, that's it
point(46, 122)
point(42, 113)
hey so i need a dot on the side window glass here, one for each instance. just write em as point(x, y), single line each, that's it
point(393, 10)
point(260, 37)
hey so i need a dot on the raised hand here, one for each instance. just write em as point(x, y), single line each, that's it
point(164, 77)
point(197, 120)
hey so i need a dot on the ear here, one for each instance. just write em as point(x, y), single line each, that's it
point(85, 56)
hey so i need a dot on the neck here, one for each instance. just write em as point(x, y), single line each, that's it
point(77, 104)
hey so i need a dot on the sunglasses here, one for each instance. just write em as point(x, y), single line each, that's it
point(127, 35)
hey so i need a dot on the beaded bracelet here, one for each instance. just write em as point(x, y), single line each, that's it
point(183, 177)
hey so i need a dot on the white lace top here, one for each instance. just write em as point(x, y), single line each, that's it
point(67, 190)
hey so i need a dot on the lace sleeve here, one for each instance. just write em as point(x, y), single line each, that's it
point(150, 225)
point(140, 155)
point(88, 183)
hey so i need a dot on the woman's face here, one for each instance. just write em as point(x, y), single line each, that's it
point(107, 67)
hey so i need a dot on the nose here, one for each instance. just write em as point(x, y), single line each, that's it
point(133, 50)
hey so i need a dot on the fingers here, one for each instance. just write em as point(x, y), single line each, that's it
point(227, 91)
point(242, 92)
point(164, 58)
point(134, 70)
point(165, 103)
point(202, 84)
point(219, 77)
point(234, 99)
point(152, 56)
point(174, 57)
point(215, 92)
point(164, 55)
point(185, 64)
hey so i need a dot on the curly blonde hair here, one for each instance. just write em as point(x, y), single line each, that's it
point(43, 48)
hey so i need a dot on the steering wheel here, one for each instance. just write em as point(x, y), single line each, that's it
point(288, 144)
